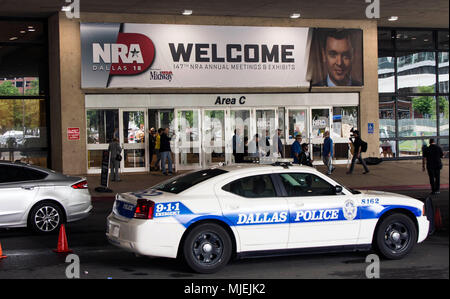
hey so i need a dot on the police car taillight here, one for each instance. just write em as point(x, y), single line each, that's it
point(144, 209)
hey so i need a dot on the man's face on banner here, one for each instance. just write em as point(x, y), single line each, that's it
point(338, 57)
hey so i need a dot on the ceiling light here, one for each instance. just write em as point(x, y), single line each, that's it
point(13, 38)
point(187, 12)
point(22, 31)
point(295, 16)
point(393, 18)
point(31, 29)
point(66, 8)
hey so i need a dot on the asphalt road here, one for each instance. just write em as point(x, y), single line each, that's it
point(30, 256)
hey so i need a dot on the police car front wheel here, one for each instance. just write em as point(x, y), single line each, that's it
point(396, 236)
point(207, 248)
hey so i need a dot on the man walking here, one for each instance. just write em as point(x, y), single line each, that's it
point(357, 144)
point(327, 152)
point(432, 156)
point(166, 153)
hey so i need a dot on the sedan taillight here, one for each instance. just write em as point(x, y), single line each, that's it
point(144, 209)
point(80, 185)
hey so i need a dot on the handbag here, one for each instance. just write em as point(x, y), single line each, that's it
point(118, 157)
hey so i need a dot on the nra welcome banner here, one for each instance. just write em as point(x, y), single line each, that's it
point(180, 56)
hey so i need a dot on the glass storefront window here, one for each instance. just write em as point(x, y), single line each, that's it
point(388, 149)
point(412, 148)
point(443, 116)
point(385, 40)
point(386, 72)
point(102, 126)
point(416, 116)
point(443, 40)
point(344, 119)
point(443, 143)
point(387, 117)
point(407, 39)
point(443, 72)
point(416, 72)
point(297, 123)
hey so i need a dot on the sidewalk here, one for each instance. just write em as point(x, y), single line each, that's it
point(388, 176)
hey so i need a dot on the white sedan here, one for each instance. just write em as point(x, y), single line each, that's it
point(207, 217)
point(40, 198)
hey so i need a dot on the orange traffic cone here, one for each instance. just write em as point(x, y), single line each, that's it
point(1, 253)
point(63, 246)
point(437, 219)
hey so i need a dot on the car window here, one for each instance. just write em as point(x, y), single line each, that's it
point(305, 184)
point(12, 173)
point(257, 186)
point(180, 183)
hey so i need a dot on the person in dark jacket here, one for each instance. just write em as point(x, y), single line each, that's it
point(296, 149)
point(151, 146)
point(432, 156)
point(114, 150)
point(166, 153)
point(305, 156)
point(357, 144)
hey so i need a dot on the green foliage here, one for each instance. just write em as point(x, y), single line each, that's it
point(8, 89)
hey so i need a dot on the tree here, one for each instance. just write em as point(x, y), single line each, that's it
point(8, 89)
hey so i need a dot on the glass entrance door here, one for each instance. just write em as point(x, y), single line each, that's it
point(134, 134)
point(266, 127)
point(213, 136)
point(241, 132)
point(187, 139)
point(320, 122)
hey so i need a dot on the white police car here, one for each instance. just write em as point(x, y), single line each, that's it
point(208, 216)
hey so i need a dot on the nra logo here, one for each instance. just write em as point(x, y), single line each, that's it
point(133, 53)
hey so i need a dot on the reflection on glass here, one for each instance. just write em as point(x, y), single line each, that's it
point(416, 116)
point(443, 72)
point(214, 136)
point(443, 116)
point(411, 148)
point(387, 117)
point(94, 159)
point(416, 72)
point(188, 137)
point(385, 40)
point(386, 71)
point(320, 122)
point(344, 119)
point(265, 122)
point(134, 158)
point(407, 39)
point(388, 149)
point(443, 40)
point(281, 115)
point(297, 123)
point(102, 126)
point(166, 119)
point(133, 127)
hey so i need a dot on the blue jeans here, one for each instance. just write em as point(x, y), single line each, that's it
point(164, 156)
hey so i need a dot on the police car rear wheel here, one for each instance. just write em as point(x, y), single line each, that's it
point(207, 248)
point(396, 236)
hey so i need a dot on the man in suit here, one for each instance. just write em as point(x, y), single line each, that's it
point(337, 55)
point(432, 156)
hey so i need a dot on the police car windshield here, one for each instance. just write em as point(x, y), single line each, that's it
point(181, 183)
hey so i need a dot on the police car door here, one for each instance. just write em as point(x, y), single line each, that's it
point(318, 216)
point(259, 216)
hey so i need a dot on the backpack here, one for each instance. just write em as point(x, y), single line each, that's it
point(363, 146)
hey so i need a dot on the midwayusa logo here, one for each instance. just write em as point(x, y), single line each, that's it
point(132, 54)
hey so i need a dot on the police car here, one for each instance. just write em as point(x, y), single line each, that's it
point(206, 217)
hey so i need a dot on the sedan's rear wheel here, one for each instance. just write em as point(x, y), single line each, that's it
point(207, 248)
point(45, 217)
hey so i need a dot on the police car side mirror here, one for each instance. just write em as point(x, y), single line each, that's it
point(337, 189)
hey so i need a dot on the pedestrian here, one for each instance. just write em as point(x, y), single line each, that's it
point(432, 156)
point(114, 158)
point(157, 147)
point(358, 147)
point(296, 149)
point(327, 152)
point(165, 151)
point(238, 146)
point(305, 156)
point(254, 147)
point(277, 140)
point(151, 145)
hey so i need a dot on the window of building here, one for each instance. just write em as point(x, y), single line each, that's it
point(413, 90)
point(24, 92)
